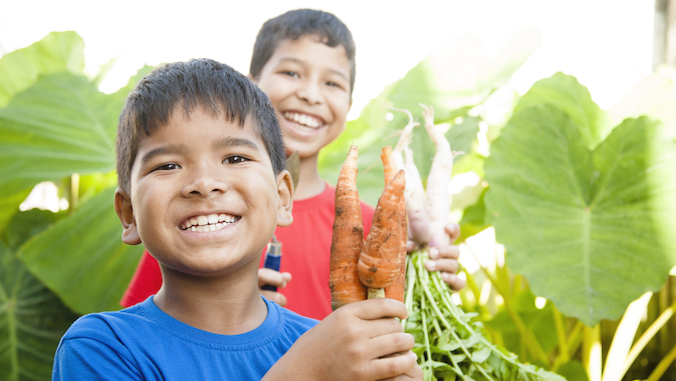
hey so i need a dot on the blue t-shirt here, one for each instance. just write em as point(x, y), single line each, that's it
point(144, 343)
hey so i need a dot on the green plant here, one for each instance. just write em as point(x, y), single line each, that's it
point(56, 126)
point(582, 201)
point(597, 189)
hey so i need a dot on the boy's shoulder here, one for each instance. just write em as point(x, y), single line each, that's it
point(142, 340)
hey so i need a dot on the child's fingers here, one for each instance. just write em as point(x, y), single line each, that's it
point(373, 309)
point(447, 265)
point(410, 246)
point(450, 251)
point(391, 345)
point(397, 367)
point(453, 281)
point(272, 278)
point(453, 231)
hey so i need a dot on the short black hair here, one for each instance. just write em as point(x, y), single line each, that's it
point(298, 23)
point(214, 86)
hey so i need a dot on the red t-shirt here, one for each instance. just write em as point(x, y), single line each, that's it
point(306, 249)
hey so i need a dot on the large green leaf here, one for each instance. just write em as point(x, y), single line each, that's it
point(32, 320)
point(582, 225)
point(60, 125)
point(9, 206)
point(56, 52)
point(565, 92)
point(82, 257)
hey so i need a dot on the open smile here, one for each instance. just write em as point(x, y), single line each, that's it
point(304, 120)
point(208, 222)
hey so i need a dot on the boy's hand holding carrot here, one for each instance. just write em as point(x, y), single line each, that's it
point(359, 341)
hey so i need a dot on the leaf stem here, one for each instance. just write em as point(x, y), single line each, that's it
point(648, 335)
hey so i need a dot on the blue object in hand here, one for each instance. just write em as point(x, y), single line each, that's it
point(273, 258)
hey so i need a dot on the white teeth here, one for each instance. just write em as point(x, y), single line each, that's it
point(302, 119)
point(208, 222)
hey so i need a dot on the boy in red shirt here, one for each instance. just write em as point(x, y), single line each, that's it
point(304, 60)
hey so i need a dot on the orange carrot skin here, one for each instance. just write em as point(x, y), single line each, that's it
point(397, 289)
point(380, 259)
point(348, 237)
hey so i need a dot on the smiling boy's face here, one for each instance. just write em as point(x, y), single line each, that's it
point(308, 83)
point(204, 198)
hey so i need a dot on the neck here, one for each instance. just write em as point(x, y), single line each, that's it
point(211, 304)
point(310, 183)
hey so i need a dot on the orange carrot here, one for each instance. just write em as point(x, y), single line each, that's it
point(380, 260)
point(348, 237)
point(397, 289)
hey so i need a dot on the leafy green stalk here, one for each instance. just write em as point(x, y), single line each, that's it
point(450, 343)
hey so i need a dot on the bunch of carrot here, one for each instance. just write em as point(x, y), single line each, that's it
point(449, 344)
point(373, 267)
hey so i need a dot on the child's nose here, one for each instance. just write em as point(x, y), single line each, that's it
point(203, 182)
point(310, 92)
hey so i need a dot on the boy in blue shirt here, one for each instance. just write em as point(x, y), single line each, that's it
point(203, 185)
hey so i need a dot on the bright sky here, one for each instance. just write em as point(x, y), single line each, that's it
point(606, 44)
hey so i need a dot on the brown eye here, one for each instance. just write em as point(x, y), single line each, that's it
point(166, 167)
point(234, 159)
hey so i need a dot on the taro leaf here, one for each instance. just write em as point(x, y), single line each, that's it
point(582, 225)
point(565, 93)
point(26, 224)
point(60, 125)
point(82, 257)
point(9, 205)
point(56, 52)
point(32, 320)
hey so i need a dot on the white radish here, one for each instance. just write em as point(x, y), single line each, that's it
point(414, 194)
point(438, 203)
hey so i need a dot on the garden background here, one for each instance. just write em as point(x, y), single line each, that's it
point(565, 190)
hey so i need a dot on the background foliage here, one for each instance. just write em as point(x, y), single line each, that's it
point(580, 199)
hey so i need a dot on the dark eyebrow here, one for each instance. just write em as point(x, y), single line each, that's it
point(165, 150)
point(234, 142)
point(180, 148)
point(301, 62)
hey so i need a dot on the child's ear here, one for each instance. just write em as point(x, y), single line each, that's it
point(285, 192)
point(125, 212)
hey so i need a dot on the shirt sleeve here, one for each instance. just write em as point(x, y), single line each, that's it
point(90, 359)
